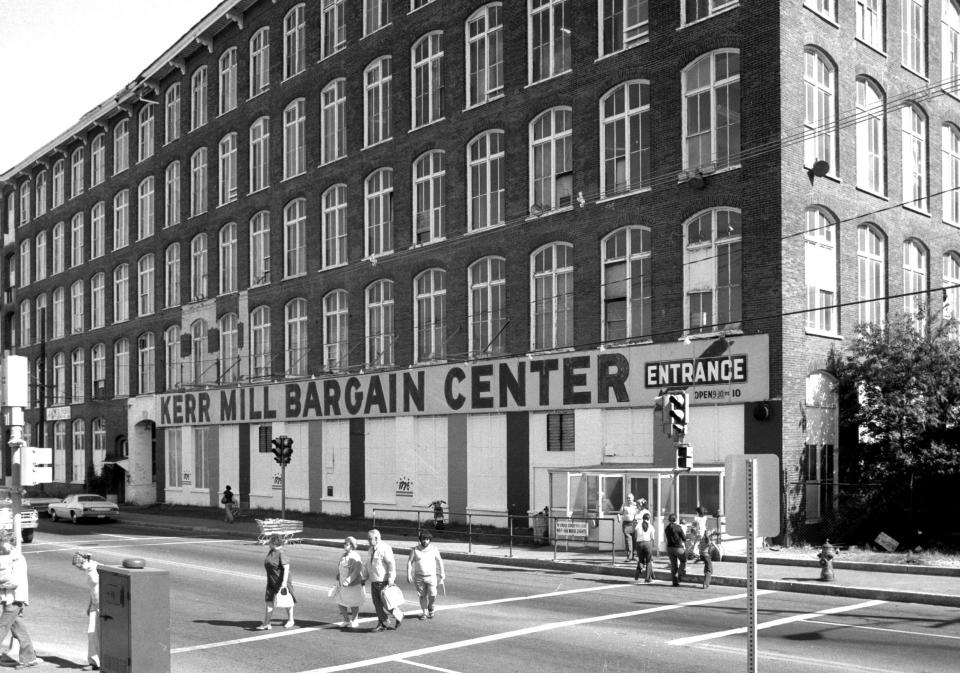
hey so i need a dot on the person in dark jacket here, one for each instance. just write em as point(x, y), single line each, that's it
point(676, 549)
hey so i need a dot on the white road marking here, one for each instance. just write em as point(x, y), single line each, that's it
point(427, 666)
point(804, 661)
point(775, 622)
point(880, 628)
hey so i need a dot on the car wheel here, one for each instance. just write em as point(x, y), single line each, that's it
point(27, 535)
point(53, 514)
point(73, 517)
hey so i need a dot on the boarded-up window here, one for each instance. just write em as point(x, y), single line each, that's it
point(560, 431)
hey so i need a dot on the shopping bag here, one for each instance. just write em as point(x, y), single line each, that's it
point(392, 597)
point(283, 599)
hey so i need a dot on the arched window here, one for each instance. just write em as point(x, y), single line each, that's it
point(296, 347)
point(380, 328)
point(294, 143)
point(59, 396)
point(121, 293)
point(335, 226)
point(78, 379)
point(260, 342)
point(625, 138)
point(551, 272)
point(259, 154)
point(549, 39)
point(229, 348)
point(98, 160)
point(171, 194)
point(227, 149)
point(712, 276)
point(551, 160)
point(870, 22)
point(98, 429)
point(294, 41)
point(430, 315)
point(172, 275)
point(871, 275)
point(951, 285)
point(76, 307)
point(711, 110)
point(485, 180)
point(98, 370)
point(915, 283)
point(484, 53)
point(198, 349)
point(121, 368)
point(626, 284)
point(79, 454)
point(819, 121)
point(295, 238)
point(333, 27)
point(871, 137)
point(198, 267)
point(950, 46)
point(260, 248)
point(146, 364)
point(145, 131)
point(426, 64)
point(950, 173)
point(174, 373)
point(145, 281)
point(377, 83)
point(913, 29)
point(335, 344)
point(487, 308)
point(60, 451)
point(378, 212)
point(228, 80)
point(228, 258)
point(259, 61)
point(171, 118)
point(429, 192)
point(333, 110)
point(820, 269)
point(198, 181)
point(198, 98)
point(914, 134)
point(121, 219)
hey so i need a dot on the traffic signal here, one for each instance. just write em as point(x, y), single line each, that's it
point(684, 457)
point(286, 450)
point(277, 449)
point(678, 410)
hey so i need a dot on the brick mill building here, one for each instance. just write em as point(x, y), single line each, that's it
point(455, 249)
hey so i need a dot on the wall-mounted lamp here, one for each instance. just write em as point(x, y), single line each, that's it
point(697, 181)
point(761, 411)
point(819, 169)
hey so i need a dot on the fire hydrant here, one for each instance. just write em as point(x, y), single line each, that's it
point(826, 556)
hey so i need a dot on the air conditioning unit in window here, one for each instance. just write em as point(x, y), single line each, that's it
point(99, 390)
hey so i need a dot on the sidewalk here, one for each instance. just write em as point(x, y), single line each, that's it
point(894, 583)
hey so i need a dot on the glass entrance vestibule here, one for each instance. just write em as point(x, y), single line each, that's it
point(598, 493)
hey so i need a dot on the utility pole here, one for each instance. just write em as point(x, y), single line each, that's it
point(13, 389)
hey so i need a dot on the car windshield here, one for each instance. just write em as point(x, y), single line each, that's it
point(90, 498)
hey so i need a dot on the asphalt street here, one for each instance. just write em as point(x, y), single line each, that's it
point(493, 618)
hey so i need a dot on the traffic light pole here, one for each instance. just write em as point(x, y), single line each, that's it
point(283, 490)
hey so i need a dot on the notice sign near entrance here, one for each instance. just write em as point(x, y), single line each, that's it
point(568, 528)
point(767, 495)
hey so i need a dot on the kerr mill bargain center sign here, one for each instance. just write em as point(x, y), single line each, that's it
point(625, 377)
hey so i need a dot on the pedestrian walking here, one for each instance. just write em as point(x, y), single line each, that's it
point(279, 591)
point(697, 532)
point(86, 564)
point(425, 572)
point(349, 591)
point(230, 504)
point(704, 547)
point(676, 549)
point(381, 570)
point(644, 550)
point(15, 596)
point(628, 521)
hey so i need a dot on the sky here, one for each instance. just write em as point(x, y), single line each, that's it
point(61, 58)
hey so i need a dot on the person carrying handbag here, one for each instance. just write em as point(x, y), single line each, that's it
point(349, 592)
point(381, 569)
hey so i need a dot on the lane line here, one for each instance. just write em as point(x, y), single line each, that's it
point(427, 666)
point(831, 665)
point(879, 628)
point(530, 630)
point(775, 622)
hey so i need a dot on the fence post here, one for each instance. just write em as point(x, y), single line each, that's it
point(418, 523)
point(469, 533)
point(613, 542)
point(554, 539)
point(510, 524)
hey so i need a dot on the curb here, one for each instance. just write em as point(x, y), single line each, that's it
point(899, 568)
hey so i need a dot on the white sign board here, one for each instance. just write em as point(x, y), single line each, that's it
point(767, 495)
point(568, 528)
point(58, 413)
point(36, 465)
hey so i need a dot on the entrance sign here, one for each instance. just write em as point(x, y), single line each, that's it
point(567, 528)
point(767, 496)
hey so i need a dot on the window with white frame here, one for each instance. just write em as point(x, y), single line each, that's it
point(198, 339)
point(56, 192)
point(871, 275)
point(380, 329)
point(820, 270)
point(98, 301)
point(295, 338)
point(712, 278)
point(378, 212)
point(171, 118)
point(417, 4)
point(376, 15)
point(429, 197)
point(171, 194)
point(627, 284)
point(98, 370)
point(227, 149)
point(59, 313)
point(711, 110)
point(260, 342)
point(99, 453)
point(121, 219)
point(145, 209)
point(697, 10)
point(76, 307)
point(871, 137)
point(377, 81)
point(551, 160)
point(259, 154)
point(145, 280)
point(913, 32)
point(173, 371)
point(228, 80)
point(26, 253)
point(335, 343)
point(334, 226)
point(826, 8)
point(333, 107)
point(552, 289)
point(487, 307)
point(76, 181)
point(59, 396)
point(40, 305)
point(950, 172)
point(260, 249)
point(40, 193)
point(951, 285)
point(79, 455)
point(915, 273)
point(333, 27)
point(171, 283)
point(121, 368)
point(198, 267)
point(426, 62)
point(259, 62)
point(950, 46)
point(145, 131)
point(625, 24)
point(549, 42)
point(60, 451)
point(11, 212)
point(819, 121)
point(229, 348)
point(198, 182)
point(294, 42)
point(41, 255)
point(146, 364)
point(77, 378)
point(26, 324)
point(914, 167)
point(98, 159)
point(121, 146)
point(625, 138)
point(98, 230)
point(484, 53)
point(25, 202)
point(76, 240)
point(870, 22)
point(294, 143)
point(295, 238)
point(485, 180)
point(173, 444)
point(121, 293)
point(198, 98)
point(228, 258)
point(430, 315)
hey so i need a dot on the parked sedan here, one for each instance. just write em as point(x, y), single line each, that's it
point(83, 506)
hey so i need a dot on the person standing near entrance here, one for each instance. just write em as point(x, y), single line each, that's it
point(229, 504)
point(381, 570)
point(676, 549)
point(628, 521)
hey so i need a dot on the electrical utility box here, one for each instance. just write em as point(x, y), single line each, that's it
point(134, 619)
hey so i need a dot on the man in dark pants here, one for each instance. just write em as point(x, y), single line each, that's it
point(676, 549)
point(381, 570)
